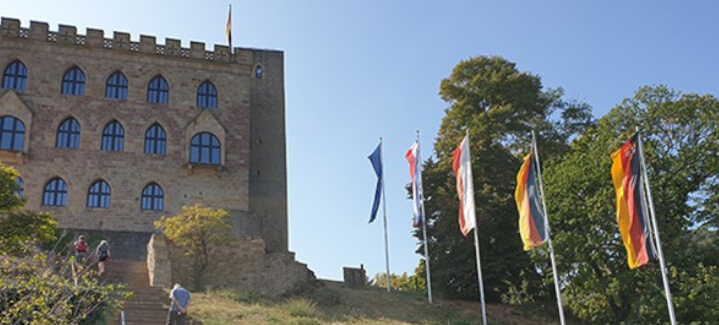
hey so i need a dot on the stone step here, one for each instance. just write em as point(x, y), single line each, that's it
point(146, 305)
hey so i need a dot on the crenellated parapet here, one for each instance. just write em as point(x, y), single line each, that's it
point(120, 41)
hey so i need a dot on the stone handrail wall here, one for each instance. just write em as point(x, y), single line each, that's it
point(159, 266)
point(120, 41)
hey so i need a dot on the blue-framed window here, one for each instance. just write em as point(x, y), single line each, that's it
point(116, 86)
point(12, 133)
point(158, 92)
point(73, 82)
point(152, 198)
point(205, 149)
point(207, 95)
point(155, 140)
point(55, 193)
point(68, 134)
point(15, 76)
point(98, 196)
point(113, 137)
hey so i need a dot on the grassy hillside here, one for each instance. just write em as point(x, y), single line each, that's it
point(333, 303)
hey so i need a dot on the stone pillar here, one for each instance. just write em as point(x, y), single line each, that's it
point(354, 277)
point(158, 262)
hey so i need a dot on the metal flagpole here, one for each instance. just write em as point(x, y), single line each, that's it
point(384, 207)
point(476, 249)
point(546, 231)
point(479, 275)
point(424, 227)
point(665, 279)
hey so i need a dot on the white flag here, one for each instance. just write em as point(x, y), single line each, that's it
point(462, 166)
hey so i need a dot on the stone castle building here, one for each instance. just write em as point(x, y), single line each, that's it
point(110, 134)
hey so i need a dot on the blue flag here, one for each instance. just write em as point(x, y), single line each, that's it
point(376, 159)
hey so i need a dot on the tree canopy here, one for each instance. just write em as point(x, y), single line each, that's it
point(499, 105)
point(682, 151)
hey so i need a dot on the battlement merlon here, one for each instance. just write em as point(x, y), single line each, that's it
point(120, 41)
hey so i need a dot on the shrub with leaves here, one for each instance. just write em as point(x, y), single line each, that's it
point(42, 289)
point(200, 230)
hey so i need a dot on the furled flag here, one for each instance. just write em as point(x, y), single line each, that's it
point(415, 172)
point(228, 29)
point(462, 166)
point(531, 220)
point(376, 159)
point(632, 214)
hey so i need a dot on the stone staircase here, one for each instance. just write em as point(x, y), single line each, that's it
point(147, 305)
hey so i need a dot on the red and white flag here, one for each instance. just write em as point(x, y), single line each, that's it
point(462, 166)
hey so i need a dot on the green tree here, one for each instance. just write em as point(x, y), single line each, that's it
point(9, 200)
point(201, 231)
point(402, 282)
point(499, 105)
point(21, 230)
point(682, 154)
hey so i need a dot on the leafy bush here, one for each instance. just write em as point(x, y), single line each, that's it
point(42, 289)
point(200, 231)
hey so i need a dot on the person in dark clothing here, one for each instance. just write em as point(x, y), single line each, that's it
point(103, 256)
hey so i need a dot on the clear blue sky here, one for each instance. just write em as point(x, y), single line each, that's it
point(360, 70)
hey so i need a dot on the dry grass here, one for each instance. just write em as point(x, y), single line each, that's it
point(334, 304)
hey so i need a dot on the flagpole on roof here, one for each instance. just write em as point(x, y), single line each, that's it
point(665, 279)
point(546, 231)
point(384, 207)
point(476, 251)
point(424, 228)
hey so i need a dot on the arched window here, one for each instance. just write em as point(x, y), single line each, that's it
point(205, 149)
point(158, 92)
point(73, 82)
point(15, 76)
point(99, 195)
point(20, 192)
point(55, 193)
point(116, 86)
point(155, 139)
point(113, 137)
point(12, 133)
point(68, 134)
point(152, 197)
point(258, 72)
point(207, 95)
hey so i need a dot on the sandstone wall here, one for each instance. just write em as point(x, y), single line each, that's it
point(42, 107)
point(243, 265)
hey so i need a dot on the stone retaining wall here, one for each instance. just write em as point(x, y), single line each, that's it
point(242, 265)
